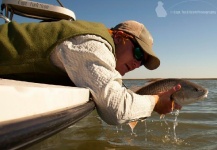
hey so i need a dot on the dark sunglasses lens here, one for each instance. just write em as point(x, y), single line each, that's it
point(138, 54)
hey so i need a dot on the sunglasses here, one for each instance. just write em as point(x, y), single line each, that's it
point(137, 52)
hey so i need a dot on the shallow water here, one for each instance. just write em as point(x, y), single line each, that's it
point(196, 129)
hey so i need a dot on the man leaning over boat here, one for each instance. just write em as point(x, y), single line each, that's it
point(89, 55)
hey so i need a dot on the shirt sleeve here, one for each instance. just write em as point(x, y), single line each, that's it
point(89, 62)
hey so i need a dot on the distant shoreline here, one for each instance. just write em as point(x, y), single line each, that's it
point(172, 78)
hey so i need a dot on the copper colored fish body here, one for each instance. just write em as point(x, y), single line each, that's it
point(189, 93)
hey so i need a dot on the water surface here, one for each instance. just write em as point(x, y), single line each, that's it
point(196, 129)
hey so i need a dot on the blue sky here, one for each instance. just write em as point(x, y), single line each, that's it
point(184, 31)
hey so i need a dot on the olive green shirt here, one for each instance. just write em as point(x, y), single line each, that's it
point(26, 48)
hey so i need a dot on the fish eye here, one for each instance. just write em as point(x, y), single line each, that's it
point(197, 90)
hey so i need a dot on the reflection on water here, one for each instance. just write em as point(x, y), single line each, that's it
point(194, 128)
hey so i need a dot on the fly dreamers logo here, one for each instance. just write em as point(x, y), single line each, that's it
point(160, 11)
point(186, 7)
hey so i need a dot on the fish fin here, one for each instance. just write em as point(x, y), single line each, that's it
point(173, 105)
point(147, 83)
point(132, 124)
point(134, 88)
point(154, 80)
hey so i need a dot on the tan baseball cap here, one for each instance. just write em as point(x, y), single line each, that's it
point(144, 39)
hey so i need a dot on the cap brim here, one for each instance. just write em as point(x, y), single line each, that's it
point(153, 61)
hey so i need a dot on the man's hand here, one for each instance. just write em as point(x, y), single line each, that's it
point(164, 103)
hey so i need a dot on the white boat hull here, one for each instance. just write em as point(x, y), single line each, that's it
point(31, 111)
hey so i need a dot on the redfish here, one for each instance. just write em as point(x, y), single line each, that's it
point(189, 93)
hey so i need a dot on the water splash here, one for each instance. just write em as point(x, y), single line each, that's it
point(175, 124)
point(117, 130)
point(146, 129)
point(165, 121)
point(168, 127)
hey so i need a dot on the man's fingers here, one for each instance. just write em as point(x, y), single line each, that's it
point(174, 89)
point(165, 104)
point(178, 87)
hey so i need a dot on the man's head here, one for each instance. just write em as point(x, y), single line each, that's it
point(133, 44)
